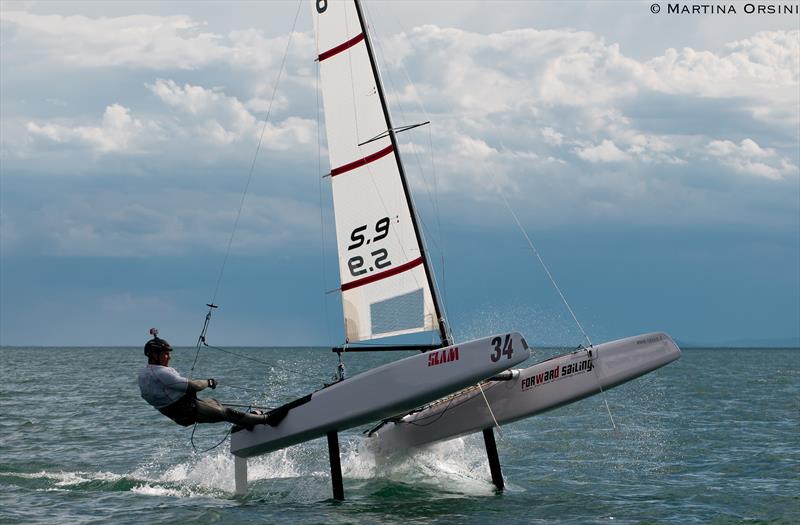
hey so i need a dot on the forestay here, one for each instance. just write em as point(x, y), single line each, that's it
point(385, 285)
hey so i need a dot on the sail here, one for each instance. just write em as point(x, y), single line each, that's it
point(385, 284)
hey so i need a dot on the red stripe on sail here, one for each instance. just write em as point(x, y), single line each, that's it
point(361, 162)
point(341, 47)
point(383, 275)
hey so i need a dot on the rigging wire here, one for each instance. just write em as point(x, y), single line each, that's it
point(496, 424)
point(423, 421)
point(544, 266)
point(558, 289)
point(394, 93)
point(368, 167)
point(321, 208)
point(209, 449)
point(212, 305)
point(248, 406)
point(243, 388)
point(265, 363)
point(602, 392)
point(258, 149)
point(438, 238)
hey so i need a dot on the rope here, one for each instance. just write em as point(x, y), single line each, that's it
point(247, 406)
point(496, 424)
point(241, 356)
point(202, 338)
point(438, 416)
point(321, 208)
point(255, 155)
point(605, 400)
point(450, 399)
point(602, 391)
point(423, 227)
point(212, 305)
point(272, 365)
point(563, 299)
point(541, 261)
point(194, 447)
point(241, 388)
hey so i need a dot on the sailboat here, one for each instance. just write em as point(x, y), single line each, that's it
point(388, 289)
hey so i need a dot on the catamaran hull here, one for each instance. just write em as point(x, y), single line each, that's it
point(384, 391)
point(542, 387)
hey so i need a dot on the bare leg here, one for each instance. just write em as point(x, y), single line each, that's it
point(212, 411)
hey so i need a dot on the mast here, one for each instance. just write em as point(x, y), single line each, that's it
point(445, 338)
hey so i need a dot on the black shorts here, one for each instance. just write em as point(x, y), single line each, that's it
point(182, 411)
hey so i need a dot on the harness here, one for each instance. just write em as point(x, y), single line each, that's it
point(183, 411)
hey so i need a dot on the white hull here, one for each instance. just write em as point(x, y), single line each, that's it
point(385, 391)
point(542, 387)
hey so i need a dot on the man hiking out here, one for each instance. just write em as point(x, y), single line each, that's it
point(176, 397)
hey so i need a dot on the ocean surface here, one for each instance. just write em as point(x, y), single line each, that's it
point(711, 438)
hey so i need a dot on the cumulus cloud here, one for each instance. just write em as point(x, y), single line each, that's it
point(763, 72)
point(606, 151)
point(475, 149)
point(559, 99)
point(749, 158)
point(552, 137)
point(768, 60)
point(218, 112)
point(117, 132)
point(578, 68)
point(203, 114)
point(564, 97)
point(141, 40)
point(144, 41)
point(225, 119)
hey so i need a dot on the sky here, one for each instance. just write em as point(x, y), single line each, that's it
point(652, 158)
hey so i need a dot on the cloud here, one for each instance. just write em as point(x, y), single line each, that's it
point(549, 117)
point(562, 97)
point(606, 151)
point(223, 119)
point(117, 132)
point(202, 115)
point(135, 41)
point(552, 137)
point(142, 222)
point(749, 158)
point(768, 60)
point(531, 69)
point(764, 70)
point(143, 41)
point(475, 150)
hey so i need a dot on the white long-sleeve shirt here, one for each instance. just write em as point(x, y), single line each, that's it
point(161, 385)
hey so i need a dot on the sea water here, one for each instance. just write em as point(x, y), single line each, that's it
point(711, 438)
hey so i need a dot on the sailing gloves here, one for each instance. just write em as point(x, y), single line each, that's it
point(212, 384)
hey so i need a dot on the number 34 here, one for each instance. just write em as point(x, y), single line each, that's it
point(507, 349)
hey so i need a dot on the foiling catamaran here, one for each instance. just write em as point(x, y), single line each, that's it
point(388, 289)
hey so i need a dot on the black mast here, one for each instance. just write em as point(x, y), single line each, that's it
point(426, 264)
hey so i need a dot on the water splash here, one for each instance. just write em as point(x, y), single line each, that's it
point(456, 467)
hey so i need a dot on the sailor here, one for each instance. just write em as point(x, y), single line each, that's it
point(176, 397)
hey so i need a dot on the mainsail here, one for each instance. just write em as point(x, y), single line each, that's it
point(386, 285)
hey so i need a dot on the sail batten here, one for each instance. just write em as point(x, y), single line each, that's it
point(383, 275)
point(362, 162)
point(385, 280)
point(341, 47)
